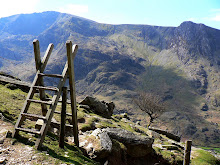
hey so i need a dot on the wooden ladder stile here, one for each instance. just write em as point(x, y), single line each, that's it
point(38, 84)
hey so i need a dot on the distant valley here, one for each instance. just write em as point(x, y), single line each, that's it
point(180, 64)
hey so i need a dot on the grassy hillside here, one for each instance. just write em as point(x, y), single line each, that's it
point(12, 101)
point(114, 62)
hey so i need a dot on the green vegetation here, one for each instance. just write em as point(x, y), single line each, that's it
point(214, 149)
point(70, 154)
point(169, 156)
point(12, 101)
point(204, 158)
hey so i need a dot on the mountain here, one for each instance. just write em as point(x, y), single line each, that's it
point(180, 64)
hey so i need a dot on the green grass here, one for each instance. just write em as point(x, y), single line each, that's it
point(204, 158)
point(210, 148)
point(169, 156)
point(52, 154)
point(69, 155)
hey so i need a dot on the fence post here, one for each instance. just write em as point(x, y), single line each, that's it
point(63, 118)
point(71, 53)
point(187, 152)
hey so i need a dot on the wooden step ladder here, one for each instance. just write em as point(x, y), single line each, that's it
point(38, 85)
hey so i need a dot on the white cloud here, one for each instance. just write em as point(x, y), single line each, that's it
point(11, 7)
point(216, 18)
point(215, 10)
point(74, 9)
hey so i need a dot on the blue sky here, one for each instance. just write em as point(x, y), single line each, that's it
point(150, 12)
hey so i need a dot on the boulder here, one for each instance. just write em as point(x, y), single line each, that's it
point(3, 160)
point(97, 145)
point(137, 145)
point(167, 134)
point(99, 107)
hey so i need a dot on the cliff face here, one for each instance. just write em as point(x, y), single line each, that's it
point(181, 64)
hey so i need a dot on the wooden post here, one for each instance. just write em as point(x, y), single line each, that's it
point(63, 118)
point(187, 152)
point(70, 57)
point(41, 66)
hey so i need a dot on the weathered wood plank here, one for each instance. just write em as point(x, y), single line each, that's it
point(28, 130)
point(187, 152)
point(58, 112)
point(63, 118)
point(40, 82)
point(25, 106)
point(40, 101)
point(46, 57)
point(37, 54)
point(46, 88)
point(52, 108)
point(70, 57)
point(33, 116)
point(51, 75)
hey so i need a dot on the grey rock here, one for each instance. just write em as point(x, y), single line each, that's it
point(138, 123)
point(2, 116)
point(137, 146)
point(166, 133)
point(2, 140)
point(9, 134)
point(2, 160)
point(86, 107)
point(97, 145)
point(99, 107)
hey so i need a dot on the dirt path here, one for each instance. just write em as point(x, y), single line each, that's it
point(12, 153)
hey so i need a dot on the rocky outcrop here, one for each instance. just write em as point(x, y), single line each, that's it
point(101, 142)
point(14, 83)
point(137, 146)
point(99, 107)
point(167, 134)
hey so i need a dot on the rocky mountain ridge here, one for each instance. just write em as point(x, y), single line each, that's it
point(181, 64)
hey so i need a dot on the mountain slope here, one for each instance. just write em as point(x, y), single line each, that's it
point(181, 64)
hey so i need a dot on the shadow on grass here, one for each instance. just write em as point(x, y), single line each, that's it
point(70, 153)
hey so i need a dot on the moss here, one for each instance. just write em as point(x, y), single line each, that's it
point(204, 158)
point(118, 146)
point(169, 156)
point(88, 125)
point(80, 114)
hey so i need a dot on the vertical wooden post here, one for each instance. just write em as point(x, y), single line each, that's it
point(187, 152)
point(63, 118)
point(40, 79)
point(70, 57)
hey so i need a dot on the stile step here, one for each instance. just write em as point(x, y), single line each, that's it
point(28, 130)
point(40, 101)
point(28, 115)
point(58, 112)
point(46, 88)
point(51, 75)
